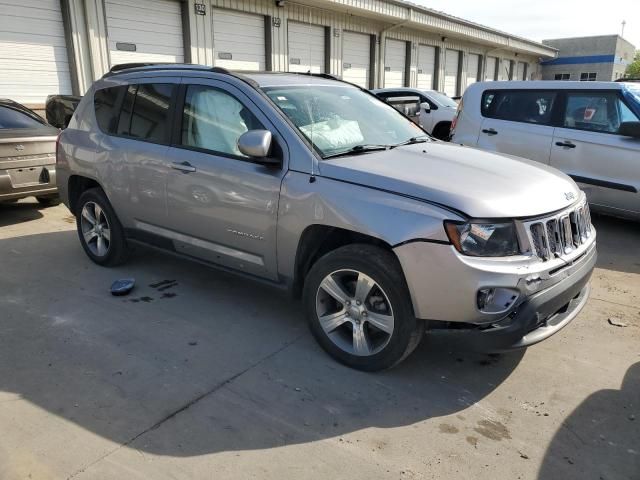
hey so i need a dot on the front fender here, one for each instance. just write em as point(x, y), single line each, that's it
point(390, 217)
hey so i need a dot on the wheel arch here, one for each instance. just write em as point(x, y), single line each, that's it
point(318, 240)
point(77, 185)
point(444, 125)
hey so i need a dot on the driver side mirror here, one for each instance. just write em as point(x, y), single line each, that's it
point(629, 129)
point(426, 107)
point(257, 145)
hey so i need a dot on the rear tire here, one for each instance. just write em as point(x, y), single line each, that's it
point(49, 201)
point(359, 308)
point(99, 230)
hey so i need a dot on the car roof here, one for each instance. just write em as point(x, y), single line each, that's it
point(257, 79)
point(547, 85)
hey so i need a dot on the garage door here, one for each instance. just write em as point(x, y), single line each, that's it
point(521, 74)
point(451, 61)
point(306, 47)
point(426, 66)
point(33, 53)
point(144, 31)
point(238, 40)
point(490, 69)
point(356, 58)
point(395, 55)
point(473, 64)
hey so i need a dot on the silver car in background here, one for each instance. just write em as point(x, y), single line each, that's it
point(27, 155)
point(316, 186)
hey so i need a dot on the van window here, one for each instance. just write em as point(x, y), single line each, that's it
point(596, 111)
point(214, 120)
point(105, 102)
point(526, 106)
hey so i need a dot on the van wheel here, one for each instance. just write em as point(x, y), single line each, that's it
point(99, 230)
point(359, 308)
point(442, 131)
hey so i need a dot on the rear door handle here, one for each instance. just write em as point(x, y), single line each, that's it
point(184, 167)
point(489, 131)
point(566, 144)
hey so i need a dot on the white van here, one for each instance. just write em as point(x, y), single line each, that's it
point(589, 130)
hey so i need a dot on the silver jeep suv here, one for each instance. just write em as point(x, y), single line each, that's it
point(316, 186)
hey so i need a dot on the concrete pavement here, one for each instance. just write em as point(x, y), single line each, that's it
point(200, 374)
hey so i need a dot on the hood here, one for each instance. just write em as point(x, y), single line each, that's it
point(478, 183)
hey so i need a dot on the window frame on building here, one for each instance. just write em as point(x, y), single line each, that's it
point(588, 76)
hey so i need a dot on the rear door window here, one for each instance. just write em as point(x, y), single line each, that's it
point(525, 106)
point(145, 112)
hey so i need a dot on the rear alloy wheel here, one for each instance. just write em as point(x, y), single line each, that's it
point(95, 229)
point(359, 307)
point(99, 230)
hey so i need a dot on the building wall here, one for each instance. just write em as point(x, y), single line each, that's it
point(607, 56)
point(88, 47)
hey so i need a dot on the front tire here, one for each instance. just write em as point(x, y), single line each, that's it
point(101, 235)
point(359, 308)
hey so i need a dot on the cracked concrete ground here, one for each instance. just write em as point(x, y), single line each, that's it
point(198, 374)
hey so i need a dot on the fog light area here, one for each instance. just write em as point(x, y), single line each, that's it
point(496, 300)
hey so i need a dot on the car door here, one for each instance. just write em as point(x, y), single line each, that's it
point(587, 146)
point(517, 122)
point(222, 205)
point(135, 152)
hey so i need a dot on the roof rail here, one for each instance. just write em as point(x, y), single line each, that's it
point(126, 67)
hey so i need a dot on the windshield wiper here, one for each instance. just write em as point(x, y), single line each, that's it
point(359, 149)
point(412, 140)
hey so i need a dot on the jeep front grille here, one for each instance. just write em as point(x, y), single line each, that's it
point(561, 234)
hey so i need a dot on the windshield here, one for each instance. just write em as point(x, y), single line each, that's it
point(11, 118)
point(338, 119)
point(634, 90)
point(442, 99)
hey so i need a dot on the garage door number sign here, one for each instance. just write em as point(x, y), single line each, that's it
point(200, 8)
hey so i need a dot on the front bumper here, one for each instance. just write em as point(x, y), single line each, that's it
point(444, 286)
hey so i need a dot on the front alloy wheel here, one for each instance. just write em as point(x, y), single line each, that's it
point(354, 312)
point(359, 307)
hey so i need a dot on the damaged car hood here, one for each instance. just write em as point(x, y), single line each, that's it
point(480, 184)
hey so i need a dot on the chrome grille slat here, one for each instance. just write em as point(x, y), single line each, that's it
point(561, 234)
point(553, 237)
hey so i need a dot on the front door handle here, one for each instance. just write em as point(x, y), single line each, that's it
point(184, 167)
point(489, 131)
point(566, 144)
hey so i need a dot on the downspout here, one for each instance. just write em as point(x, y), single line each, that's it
point(381, 47)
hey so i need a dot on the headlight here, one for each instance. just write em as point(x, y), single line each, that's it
point(483, 239)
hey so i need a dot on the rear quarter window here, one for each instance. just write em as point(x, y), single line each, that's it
point(525, 106)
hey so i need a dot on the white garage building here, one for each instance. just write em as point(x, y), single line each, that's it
point(61, 46)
